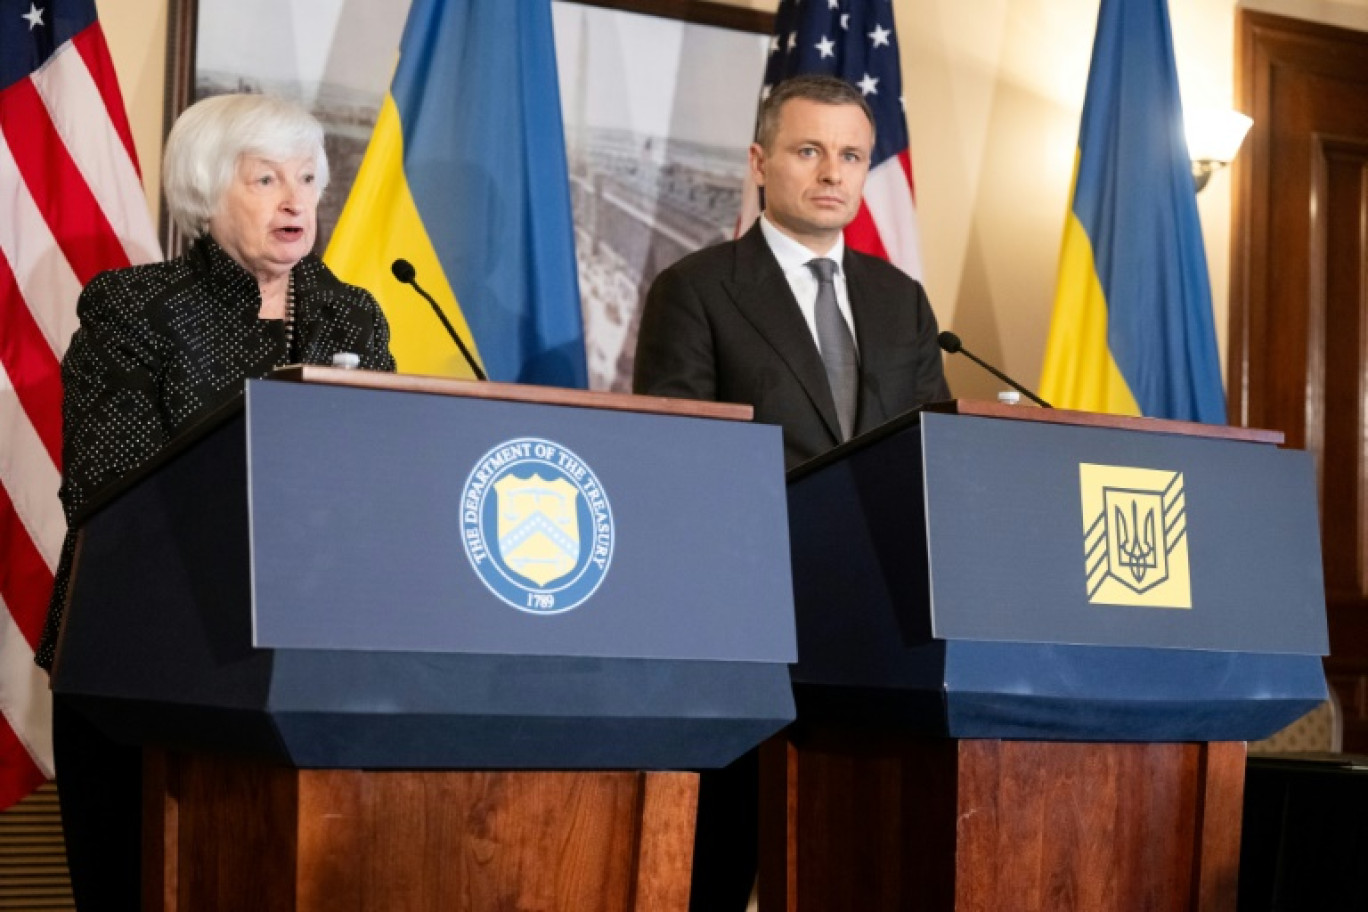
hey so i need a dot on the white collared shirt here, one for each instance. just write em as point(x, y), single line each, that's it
point(793, 258)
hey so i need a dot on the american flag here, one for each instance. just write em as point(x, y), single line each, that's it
point(855, 40)
point(71, 205)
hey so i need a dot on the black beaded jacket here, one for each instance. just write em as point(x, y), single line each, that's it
point(161, 346)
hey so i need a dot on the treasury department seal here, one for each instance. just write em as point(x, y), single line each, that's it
point(536, 525)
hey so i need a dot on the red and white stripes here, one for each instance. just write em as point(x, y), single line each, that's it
point(71, 205)
point(887, 224)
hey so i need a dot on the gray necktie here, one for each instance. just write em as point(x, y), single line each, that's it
point(838, 348)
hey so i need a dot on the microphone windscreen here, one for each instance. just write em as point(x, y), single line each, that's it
point(403, 270)
point(948, 340)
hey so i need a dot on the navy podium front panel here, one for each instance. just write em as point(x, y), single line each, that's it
point(983, 577)
point(377, 522)
point(1010, 539)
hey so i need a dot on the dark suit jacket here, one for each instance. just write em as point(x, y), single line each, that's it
point(722, 324)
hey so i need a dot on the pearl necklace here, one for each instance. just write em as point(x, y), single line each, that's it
point(289, 321)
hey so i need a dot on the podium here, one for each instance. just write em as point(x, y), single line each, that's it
point(401, 642)
point(1030, 644)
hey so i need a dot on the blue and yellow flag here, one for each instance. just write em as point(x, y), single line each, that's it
point(1132, 331)
point(465, 177)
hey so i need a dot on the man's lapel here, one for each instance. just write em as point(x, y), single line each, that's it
point(873, 307)
point(762, 294)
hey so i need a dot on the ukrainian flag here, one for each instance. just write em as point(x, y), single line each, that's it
point(465, 177)
point(1132, 331)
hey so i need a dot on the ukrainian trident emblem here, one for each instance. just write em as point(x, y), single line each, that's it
point(1135, 536)
point(1134, 549)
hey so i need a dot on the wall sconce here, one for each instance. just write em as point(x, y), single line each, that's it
point(1213, 138)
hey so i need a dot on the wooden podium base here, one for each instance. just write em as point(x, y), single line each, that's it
point(861, 821)
point(232, 834)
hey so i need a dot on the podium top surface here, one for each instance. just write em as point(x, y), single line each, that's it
point(514, 392)
point(986, 409)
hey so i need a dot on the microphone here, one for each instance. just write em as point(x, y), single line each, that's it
point(951, 344)
point(403, 271)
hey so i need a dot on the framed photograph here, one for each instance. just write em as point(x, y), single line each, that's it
point(658, 99)
point(659, 113)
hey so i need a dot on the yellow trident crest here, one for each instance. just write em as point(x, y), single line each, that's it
point(1135, 536)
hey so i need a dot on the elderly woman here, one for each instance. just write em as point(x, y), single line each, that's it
point(159, 347)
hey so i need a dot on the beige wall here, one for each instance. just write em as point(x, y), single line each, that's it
point(136, 33)
point(994, 91)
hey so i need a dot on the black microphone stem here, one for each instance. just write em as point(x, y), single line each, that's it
point(951, 344)
point(451, 331)
point(405, 273)
point(1004, 378)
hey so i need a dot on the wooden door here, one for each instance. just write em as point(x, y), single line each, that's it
point(1299, 295)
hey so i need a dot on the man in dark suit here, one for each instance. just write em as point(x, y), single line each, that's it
point(743, 322)
point(824, 341)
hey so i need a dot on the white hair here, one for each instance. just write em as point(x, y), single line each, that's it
point(208, 139)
